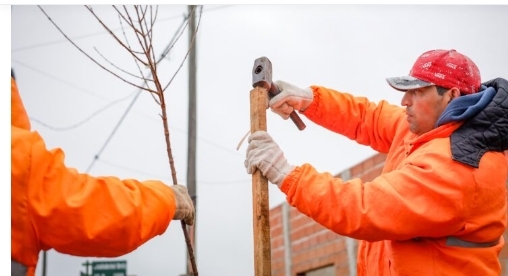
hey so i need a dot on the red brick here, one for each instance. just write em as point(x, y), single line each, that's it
point(275, 219)
point(276, 230)
point(293, 212)
point(356, 170)
point(379, 158)
point(342, 270)
point(277, 254)
point(368, 164)
point(277, 242)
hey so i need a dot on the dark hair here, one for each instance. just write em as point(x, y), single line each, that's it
point(12, 74)
point(441, 90)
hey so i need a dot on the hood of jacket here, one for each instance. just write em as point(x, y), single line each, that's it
point(485, 127)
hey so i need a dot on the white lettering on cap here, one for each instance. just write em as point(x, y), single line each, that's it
point(439, 75)
point(451, 65)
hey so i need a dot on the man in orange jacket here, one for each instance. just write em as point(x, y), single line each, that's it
point(439, 206)
point(53, 206)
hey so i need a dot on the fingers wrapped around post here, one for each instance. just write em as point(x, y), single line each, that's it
point(264, 153)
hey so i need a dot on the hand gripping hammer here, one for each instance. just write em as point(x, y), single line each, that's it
point(262, 77)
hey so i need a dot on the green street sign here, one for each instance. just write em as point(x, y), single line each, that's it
point(111, 268)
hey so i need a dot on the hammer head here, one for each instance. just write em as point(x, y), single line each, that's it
point(262, 77)
point(262, 73)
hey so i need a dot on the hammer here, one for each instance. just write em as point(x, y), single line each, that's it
point(262, 77)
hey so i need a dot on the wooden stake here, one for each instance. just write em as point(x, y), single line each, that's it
point(260, 203)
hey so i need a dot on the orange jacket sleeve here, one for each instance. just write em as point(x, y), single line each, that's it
point(355, 117)
point(77, 213)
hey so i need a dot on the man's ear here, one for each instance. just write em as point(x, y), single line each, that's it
point(455, 92)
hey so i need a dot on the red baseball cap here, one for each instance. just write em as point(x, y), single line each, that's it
point(445, 68)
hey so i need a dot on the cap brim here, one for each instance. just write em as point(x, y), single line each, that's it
point(407, 82)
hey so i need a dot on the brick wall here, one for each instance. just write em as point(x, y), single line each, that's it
point(298, 244)
point(312, 246)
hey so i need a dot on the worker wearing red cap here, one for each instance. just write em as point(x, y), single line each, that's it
point(56, 207)
point(439, 205)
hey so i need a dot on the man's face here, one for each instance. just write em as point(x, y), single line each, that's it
point(423, 108)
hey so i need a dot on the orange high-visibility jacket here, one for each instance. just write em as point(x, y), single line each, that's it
point(426, 214)
point(53, 206)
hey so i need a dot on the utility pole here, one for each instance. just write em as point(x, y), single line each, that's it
point(44, 262)
point(191, 147)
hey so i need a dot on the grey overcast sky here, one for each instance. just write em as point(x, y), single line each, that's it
point(350, 48)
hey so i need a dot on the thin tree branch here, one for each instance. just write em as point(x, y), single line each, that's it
point(115, 66)
point(88, 56)
point(182, 30)
point(113, 35)
point(130, 47)
point(192, 45)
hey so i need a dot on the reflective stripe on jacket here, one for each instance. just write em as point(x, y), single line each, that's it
point(404, 216)
point(53, 206)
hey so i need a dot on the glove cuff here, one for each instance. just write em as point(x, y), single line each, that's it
point(307, 100)
point(285, 170)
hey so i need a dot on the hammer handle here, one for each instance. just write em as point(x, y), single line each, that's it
point(294, 116)
point(297, 120)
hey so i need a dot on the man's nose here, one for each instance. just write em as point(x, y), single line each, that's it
point(406, 99)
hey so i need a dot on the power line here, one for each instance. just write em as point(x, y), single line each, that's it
point(114, 131)
point(78, 37)
point(60, 128)
point(82, 122)
point(98, 33)
point(50, 76)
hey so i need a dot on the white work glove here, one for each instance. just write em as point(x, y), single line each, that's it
point(264, 154)
point(290, 98)
point(184, 206)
